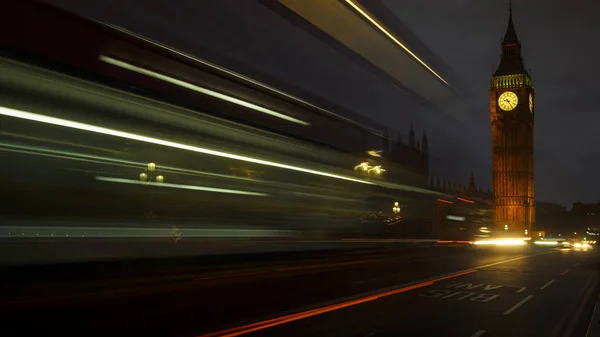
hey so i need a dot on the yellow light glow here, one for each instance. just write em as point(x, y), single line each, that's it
point(364, 166)
point(121, 134)
point(196, 88)
point(368, 17)
point(502, 242)
point(185, 187)
point(376, 169)
point(546, 243)
point(510, 242)
point(374, 153)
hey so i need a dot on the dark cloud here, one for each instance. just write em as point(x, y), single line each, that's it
point(560, 45)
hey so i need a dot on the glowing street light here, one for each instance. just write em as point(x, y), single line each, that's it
point(148, 175)
point(365, 167)
point(376, 169)
point(505, 227)
point(374, 153)
point(396, 208)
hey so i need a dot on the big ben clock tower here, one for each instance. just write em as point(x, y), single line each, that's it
point(512, 114)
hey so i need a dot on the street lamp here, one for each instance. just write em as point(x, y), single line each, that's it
point(396, 208)
point(149, 174)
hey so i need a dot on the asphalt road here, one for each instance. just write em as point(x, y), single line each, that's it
point(387, 291)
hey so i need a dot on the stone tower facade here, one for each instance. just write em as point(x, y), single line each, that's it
point(512, 115)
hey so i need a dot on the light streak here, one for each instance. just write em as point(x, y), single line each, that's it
point(185, 187)
point(127, 135)
point(546, 243)
point(368, 17)
point(455, 218)
point(245, 329)
point(39, 151)
point(121, 134)
point(193, 87)
point(501, 242)
point(237, 75)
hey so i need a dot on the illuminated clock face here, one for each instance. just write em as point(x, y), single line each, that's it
point(530, 103)
point(508, 101)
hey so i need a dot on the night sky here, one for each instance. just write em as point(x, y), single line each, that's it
point(560, 45)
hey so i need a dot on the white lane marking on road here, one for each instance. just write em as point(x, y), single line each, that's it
point(575, 264)
point(520, 290)
point(516, 306)
point(547, 284)
point(515, 259)
point(566, 271)
point(479, 333)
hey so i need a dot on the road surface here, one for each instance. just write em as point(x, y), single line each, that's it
point(376, 292)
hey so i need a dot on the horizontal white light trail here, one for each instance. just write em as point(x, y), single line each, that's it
point(225, 70)
point(546, 243)
point(199, 89)
point(455, 218)
point(101, 130)
point(185, 187)
point(388, 34)
point(239, 76)
point(502, 242)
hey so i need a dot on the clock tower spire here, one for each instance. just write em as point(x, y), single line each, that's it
point(512, 119)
